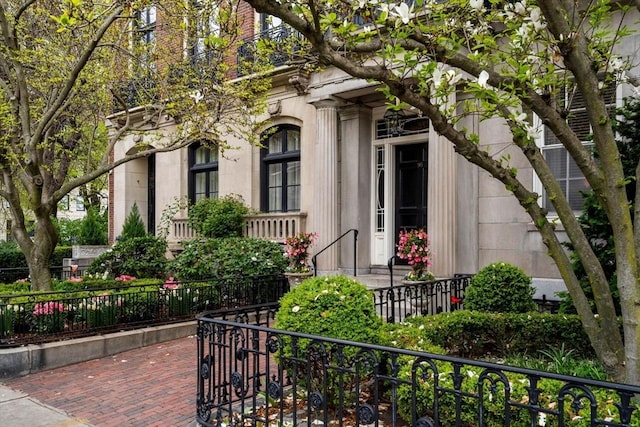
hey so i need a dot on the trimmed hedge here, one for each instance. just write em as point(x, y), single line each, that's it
point(12, 257)
point(228, 257)
point(472, 334)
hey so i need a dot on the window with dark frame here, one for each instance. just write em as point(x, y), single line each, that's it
point(146, 35)
point(203, 27)
point(203, 172)
point(280, 183)
point(564, 168)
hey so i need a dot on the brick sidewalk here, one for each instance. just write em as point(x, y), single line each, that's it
point(150, 386)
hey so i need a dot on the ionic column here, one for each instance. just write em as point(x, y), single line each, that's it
point(325, 205)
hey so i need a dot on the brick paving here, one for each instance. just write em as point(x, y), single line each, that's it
point(150, 386)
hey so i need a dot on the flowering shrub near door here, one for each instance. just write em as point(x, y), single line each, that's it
point(415, 248)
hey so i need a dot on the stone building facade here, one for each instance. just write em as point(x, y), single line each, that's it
point(338, 160)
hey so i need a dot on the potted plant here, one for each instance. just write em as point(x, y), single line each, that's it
point(414, 247)
point(298, 254)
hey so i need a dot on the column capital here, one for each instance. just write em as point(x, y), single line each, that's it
point(326, 104)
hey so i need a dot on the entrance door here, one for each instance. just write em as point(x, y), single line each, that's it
point(411, 188)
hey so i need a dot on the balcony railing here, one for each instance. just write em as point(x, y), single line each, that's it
point(276, 227)
point(284, 42)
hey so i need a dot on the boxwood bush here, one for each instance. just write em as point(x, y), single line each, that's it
point(500, 288)
point(471, 334)
point(233, 256)
point(329, 306)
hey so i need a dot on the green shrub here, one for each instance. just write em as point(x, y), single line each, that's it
point(93, 230)
point(142, 257)
point(223, 217)
point(417, 378)
point(500, 288)
point(475, 334)
point(133, 225)
point(233, 256)
point(329, 306)
point(12, 257)
point(69, 230)
point(60, 253)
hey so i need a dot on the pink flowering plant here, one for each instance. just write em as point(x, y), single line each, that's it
point(298, 252)
point(49, 316)
point(177, 299)
point(414, 247)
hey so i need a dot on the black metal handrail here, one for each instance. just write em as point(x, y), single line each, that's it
point(355, 251)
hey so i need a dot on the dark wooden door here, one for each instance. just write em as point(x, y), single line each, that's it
point(411, 187)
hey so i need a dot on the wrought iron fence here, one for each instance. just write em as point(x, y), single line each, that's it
point(252, 375)
point(46, 316)
point(395, 303)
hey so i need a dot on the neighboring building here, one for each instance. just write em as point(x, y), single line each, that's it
point(336, 159)
point(70, 207)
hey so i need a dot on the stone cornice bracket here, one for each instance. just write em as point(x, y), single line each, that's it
point(300, 82)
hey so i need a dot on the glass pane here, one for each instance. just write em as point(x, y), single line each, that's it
point(200, 155)
point(152, 14)
point(293, 173)
point(200, 183)
point(213, 154)
point(275, 143)
point(275, 199)
point(275, 175)
point(293, 198)
point(293, 140)
point(557, 160)
point(575, 188)
point(549, 137)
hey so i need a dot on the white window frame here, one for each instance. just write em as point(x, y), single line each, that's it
point(537, 184)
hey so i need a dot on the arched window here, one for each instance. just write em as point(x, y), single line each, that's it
point(203, 172)
point(280, 187)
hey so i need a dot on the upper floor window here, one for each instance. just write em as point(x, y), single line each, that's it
point(564, 168)
point(146, 33)
point(203, 172)
point(268, 22)
point(204, 27)
point(280, 187)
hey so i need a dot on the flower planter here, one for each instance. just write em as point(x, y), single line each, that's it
point(296, 278)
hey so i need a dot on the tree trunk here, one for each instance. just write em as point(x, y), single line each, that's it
point(38, 250)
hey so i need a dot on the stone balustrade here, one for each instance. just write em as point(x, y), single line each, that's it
point(274, 226)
